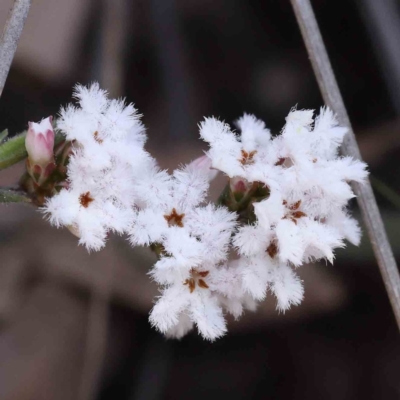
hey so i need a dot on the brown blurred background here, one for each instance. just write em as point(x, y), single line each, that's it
point(74, 325)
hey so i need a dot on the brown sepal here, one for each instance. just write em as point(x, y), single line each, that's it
point(191, 283)
point(202, 284)
point(299, 214)
point(272, 249)
point(295, 206)
point(97, 138)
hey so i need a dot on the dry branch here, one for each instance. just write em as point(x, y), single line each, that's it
point(365, 196)
point(11, 34)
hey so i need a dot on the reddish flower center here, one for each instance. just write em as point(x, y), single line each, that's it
point(85, 199)
point(174, 219)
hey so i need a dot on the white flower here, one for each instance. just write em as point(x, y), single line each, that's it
point(286, 286)
point(228, 152)
point(190, 301)
point(204, 163)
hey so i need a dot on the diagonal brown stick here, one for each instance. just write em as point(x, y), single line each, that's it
point(365, 196)
point(11, 34)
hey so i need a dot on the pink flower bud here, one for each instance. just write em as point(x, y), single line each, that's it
point(203, 163)
point(239, 185)
point(39, 143)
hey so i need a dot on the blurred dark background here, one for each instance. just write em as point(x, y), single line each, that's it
point(74, 325)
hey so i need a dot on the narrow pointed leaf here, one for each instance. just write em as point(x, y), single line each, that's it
point(13, 151)
point(3, 135)
point(13, 196)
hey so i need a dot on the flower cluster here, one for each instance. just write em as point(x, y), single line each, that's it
point(304, 216)
point(107, 155)
point(193, 240)
point(284, 205)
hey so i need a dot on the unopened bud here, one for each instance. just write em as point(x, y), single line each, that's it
point(239, 185)
point(39, 143)
point(203, 163)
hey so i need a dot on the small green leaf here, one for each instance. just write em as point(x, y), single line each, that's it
point(13, 196)
point(3, 135)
